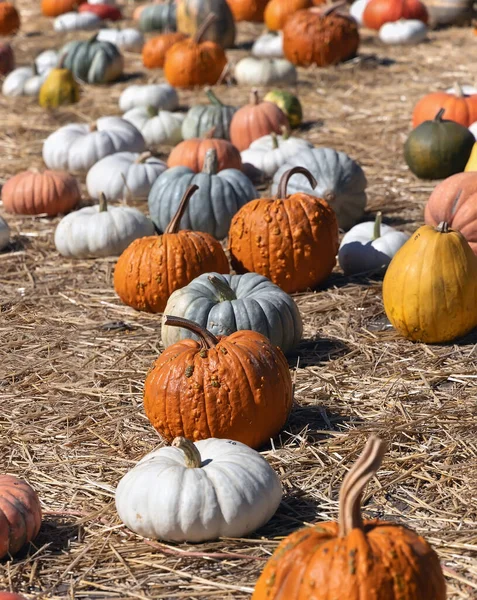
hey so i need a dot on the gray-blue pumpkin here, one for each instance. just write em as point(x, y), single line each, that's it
point(211, 208)
point(92, 61)
point(202, 118)
point(227, 303)
point(158, 17)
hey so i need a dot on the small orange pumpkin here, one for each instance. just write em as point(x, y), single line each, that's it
point(278, 11)
point(291, 240)
point(192, 62)
point(20, 514)
point(53, 8)
point(154, 50)
point(153, 267)
point(379, 12)
point(248, 10)
point(458, 107)
point(9, 19)
point(11, 596)
point(191, 153)
point(34, 193)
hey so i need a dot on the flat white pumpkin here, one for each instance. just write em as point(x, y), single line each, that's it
point(269, 45)
point(128, 39)
point(264, 71)
point(100, 230)
point(369, 247)
point(74, 21)
point(405, 32)
point(24, 81)
point(219, 488)
point(157, 126)
point(357, 9)
point(46, 60)
point(78, 146)
point(124, 175)
point(160, 95)
point(459, 90)
point(4, 233)
point(270, 152)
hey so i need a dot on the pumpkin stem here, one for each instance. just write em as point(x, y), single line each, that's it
point(211, 163)
point(143, 157)
point(354, 483)
point(275, 144)
point(207, 339)
point(199, 34)
point(213, 98)
point(439, 115)
point(224, 290)
point(93, 127)
point(458, 91)
point(443, 227)
point(173, 226)
point(282, 186)
point(209, 135)
point(103, 203)
point(254, 97)
point(377, 225)
point(332, 7)
point(285, 132)
point(193, 459)
point(61, 62)
point(93, 39)
point(152, 111)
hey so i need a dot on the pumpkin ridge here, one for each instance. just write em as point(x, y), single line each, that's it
point(16, 521)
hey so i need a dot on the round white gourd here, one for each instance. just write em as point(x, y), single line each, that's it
point(357, 9)
point(24, 82)
point(100, 230)
point(369, 247)
point(220, 488)
point(128, 39)
point(4, 234)
point(268, 45)
point(78, 146)
point(264, 71)
point(157, 126)
point(270, 152)
point(74, 21)
point(160, 95)
point(124, 175)
point(405, 32)
point(46, 60)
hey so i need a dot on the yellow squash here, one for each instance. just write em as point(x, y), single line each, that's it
point(430, 287)
point(472, 162)
point(58, 89)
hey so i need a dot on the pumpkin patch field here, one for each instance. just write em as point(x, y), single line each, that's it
point(238, 300)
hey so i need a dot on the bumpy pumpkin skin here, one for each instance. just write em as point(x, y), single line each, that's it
point(430, 287)
point(59, 88)
point(189, 63)
point(191, 153)
point(248, 10)
point(155, 50)
point(278, 11)
point(379, 12)
point(240, 389)
point(457, 107)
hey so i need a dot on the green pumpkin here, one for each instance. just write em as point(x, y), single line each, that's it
point(288, 103)
point(202, 118)
point(158, 17)
point(438, 149)
point(92, 61)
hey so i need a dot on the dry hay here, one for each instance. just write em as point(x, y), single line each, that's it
point(71, 378)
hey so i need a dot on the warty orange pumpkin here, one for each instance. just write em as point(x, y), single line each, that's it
point(236, 387)
point(191, 153)
point(458, 107)
point(154, 50)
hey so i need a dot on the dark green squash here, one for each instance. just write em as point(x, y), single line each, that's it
point(158, 17)
point(92, 61)
point(438, 149)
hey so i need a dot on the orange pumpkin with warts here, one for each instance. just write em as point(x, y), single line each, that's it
point(353, 559)
point(236, 387)
point(291, 240)
point(154, 50)
point(379, 12)
point(153, 267)
point(191, 153)
point(248, 10)
point(458, 107)
point(9, 19)
point(278, 11)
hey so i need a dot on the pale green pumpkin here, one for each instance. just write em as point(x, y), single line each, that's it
point(202, 118)
point(92, 61)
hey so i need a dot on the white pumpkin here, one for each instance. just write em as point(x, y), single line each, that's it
point(269, 45)
point(74, 21)
point(264, 71)
point(24, 81)
point(157, 126)
point(405, 32)
point(197, 492)
point(369, 247)
point(124, 175)
point(357, 9)
point(78, 146)
point(270, 152)
point(128, 39)
point(459, 90)
point(4, 234)
point(109, 2)
point(46, 60)
point(160, 95)
point(100, 230)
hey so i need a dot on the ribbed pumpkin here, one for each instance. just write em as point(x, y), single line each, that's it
point(430, 287)
point(191, 15)
point(155, 50)
point(195, 62)
point(191, 153)
point(237, 387)
point(454, 201)
point(353, 559)
point(202, 119)
point(92, 61)
point(9, 19)
point(7, 60)
point(255, 120)
point(53, 8)
point(278, 11)
point(248, 10)
point(20, 514)
point(458, 107)
point(33, 193)
point(291, 240)
point(153, 267)
point(320, 37)
point(159, 16)
point(59, 88)
point(379, 12)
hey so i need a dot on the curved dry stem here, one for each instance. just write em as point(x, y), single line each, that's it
point(282, 186)
point(173, 226)
point(193, 459)
point(207, 339)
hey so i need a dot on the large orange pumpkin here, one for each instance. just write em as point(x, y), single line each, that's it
point(291, 240)
point(191, 153)
point(236, 387)
point(20, 514)
point(458, 107)
point(278, 11)
point(9, 19)
point(255, 120)
point(153, 267)
point(53, 8)
point(379, 12)
point(192, 62)
point(248, 10)
point(353, 559)
point(154, 50)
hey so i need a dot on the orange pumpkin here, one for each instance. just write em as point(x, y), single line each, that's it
point(53, 8)
point(9, 19)
point(154, 50)
point(291, 240)
point(321, 37)
point(191, 153)
point(379, 12)
point(236, 387)
point(20, 514)
point(34, 193)
point(255, 120)
point(153, 267)
point(11, 596)
point(353, 559)
point(458, 107)
point(192, 62)
point(248, 10)
point(278, 11)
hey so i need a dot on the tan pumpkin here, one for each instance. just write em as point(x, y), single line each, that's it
point(191, 153)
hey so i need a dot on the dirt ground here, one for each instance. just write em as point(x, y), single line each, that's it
point(72, 422)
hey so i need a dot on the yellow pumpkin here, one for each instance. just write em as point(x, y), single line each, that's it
point(430, 287)
point(472, 162)
point(58, 89)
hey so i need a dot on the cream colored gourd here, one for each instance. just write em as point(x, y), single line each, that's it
point(4, 233)
point(270, 152)
point(269, 45)
point(156, 126)
point(75, 21)
point(161, 96)
point(198, 491)
point(253, 71)
point(356, 10)
point(24, 81)
point(128, 39)
point(405, 32)
point(46, 60)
